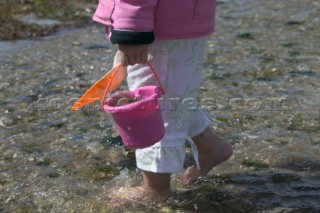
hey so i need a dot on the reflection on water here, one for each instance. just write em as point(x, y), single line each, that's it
point(262, 71)
point(32, 19)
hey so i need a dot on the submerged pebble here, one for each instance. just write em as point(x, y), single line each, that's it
point(6, 121)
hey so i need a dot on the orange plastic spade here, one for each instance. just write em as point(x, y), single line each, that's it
point(104, 85)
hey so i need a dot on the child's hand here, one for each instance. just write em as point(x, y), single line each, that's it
point(131, 54)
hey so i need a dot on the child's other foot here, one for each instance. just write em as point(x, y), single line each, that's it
point(212, 151)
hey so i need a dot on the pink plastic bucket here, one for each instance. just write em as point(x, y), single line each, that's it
point(140, 123)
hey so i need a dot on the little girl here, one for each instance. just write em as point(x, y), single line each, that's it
point(172, 35)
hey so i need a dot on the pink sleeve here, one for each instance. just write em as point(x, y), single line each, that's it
point(134, 15)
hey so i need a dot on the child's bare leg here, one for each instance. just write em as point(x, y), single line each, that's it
point(212, 150)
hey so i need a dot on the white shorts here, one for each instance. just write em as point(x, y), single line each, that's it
point(178, 64)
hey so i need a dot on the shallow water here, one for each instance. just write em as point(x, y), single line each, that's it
point(262, 73)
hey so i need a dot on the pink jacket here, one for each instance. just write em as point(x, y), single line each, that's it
point(164, 19)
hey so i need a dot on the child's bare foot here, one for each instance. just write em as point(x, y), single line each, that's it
point(212, 151)
point(135, 196)
point(155, 188)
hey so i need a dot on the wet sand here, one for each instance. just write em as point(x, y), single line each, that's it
point(261, 89)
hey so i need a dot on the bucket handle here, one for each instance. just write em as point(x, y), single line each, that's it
point(116, 70)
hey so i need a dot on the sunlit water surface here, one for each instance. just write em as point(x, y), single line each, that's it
point(262, 71)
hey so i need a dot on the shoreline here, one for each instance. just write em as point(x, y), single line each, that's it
point(31, 19)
